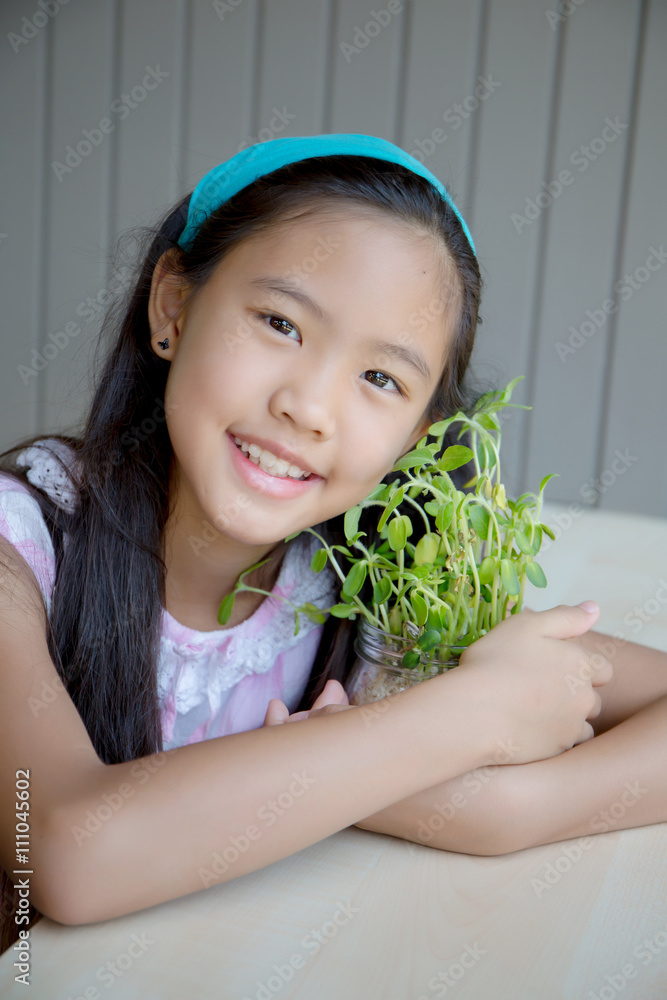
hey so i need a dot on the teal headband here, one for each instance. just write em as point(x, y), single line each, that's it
point(223, 181)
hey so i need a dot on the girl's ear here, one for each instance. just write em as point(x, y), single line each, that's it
point(165, 300)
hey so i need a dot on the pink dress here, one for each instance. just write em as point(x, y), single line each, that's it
point(210, 683)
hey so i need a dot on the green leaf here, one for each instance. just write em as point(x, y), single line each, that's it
point(547, 531)
point(294, 534)
point(397, 533)
point(454, 457)
point(410, 659)
point(314, 613)
point(381, 492)
point(435, 430)
point(351, 521)
point(524, 543)
point(509, 578)
point(435, 617)
point(225, 609)
point(506, 394)
point(354, 580)
point(420, 608)
point(381, 590)
point(426, 548)
point(343, 610)
point(432, 507)
point(443, 483)
point(393, 503)
point(319, 560)
point(414, 490)
point(535, 574)
point(537, 539)
point(487, 570)
point(553, 475)
point(429, 639)
point(443, 518)
point(489, 421)
point(420, 456)
point(479, 518)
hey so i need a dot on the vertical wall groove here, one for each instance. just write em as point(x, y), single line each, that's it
point(110, 160)
point(537, 287)
point(405, 35)
point(182, 64)
point(619, 249)
point(467, 196)
point(330, 45)
point(44, 118)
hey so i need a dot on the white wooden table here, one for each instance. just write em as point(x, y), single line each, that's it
point(371, 917)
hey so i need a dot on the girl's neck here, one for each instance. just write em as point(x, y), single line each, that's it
point(196, 586)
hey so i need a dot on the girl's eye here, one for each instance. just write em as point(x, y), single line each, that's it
point(384, 378)
point(387, 378)
point(271, 316)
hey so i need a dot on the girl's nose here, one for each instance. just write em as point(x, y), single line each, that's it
point(308, 401)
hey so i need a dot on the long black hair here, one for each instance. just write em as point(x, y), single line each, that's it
point(103, 628)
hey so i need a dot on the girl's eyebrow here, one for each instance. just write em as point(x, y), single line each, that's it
point(282, 286)
point(410, 355)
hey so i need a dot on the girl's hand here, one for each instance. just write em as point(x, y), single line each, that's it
point(542, 686)
point(333, 699)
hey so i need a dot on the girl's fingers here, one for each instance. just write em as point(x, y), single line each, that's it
point(333, 699)
point(325, 710)
point(333, 694)
point(276, 713)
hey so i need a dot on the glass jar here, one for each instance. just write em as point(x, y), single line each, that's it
point(377, 671)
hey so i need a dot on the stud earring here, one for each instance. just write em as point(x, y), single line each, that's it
point(164, 344)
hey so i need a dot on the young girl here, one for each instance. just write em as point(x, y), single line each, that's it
point(295, 326)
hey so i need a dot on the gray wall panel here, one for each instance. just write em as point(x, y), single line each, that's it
point(233, 65)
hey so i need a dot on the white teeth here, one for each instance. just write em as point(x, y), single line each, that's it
point(266, 460)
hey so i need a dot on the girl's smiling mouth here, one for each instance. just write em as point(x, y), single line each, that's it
point(266, 482)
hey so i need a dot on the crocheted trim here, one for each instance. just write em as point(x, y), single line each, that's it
point(237, 654)
point(46, 472)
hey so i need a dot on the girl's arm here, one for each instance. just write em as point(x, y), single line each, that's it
point(498, 809)
point(615, 781)
point(640, 677)
point(106, 840)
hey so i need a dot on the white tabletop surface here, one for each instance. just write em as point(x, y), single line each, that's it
point(390, 915)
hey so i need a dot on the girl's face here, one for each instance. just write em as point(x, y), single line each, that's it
point(323, 372)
